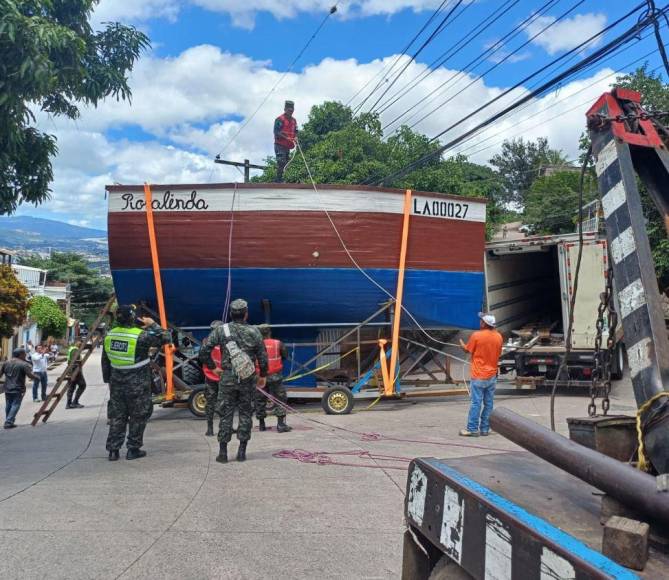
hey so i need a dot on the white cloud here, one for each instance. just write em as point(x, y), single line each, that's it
point(243, 12)
point(567, 33)
point(190, 106)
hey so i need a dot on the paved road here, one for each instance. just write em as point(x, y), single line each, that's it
point(67, 512)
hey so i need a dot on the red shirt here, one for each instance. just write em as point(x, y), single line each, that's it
point(485, 347)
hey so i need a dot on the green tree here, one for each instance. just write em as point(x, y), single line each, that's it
point(519, 164)
point(552, 202)
point(342, 148)
point(51, 59)
point(90, 291)
point(14, 302)
point(48, 316)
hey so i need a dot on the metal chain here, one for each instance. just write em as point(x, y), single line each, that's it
point(601, 373)
point(641, 115)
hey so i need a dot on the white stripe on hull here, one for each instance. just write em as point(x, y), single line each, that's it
point(268, 199)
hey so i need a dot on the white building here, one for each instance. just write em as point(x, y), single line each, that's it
point(34, 279)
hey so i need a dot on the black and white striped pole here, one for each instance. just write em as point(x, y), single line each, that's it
point(625, 143)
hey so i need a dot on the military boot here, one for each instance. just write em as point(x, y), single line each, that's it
point(134, 453)
point(77, 404)
point(113, 455)
point(210, 428)
point(222, 453)
point(241, 452)
point(282, 427)
point(261, 425)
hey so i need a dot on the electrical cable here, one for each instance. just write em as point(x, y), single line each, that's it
point(470, 66)
point(383, 72)
point(596, 56)
point(442, 25)
point(652, 10)
point(572, 301)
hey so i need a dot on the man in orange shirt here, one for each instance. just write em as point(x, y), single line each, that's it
point(485, 346)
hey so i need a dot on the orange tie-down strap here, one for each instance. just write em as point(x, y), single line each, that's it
point(168, 348)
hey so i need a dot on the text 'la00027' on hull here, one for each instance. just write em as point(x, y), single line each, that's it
point(277, 244)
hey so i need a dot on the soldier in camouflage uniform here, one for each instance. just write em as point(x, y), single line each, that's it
point(125, 366)
point(211, 380)
point(234, 393)
point(276, 354)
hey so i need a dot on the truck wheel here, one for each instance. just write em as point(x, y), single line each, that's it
point(192, 375)
point(197, 402)
point(618, 363)
point(337, 401)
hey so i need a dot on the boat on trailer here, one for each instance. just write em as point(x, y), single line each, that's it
point(304, 260)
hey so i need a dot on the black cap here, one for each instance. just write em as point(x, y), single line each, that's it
point(18, 352)
point(289, 105)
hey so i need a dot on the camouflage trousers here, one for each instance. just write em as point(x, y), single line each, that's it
point(238, 396)
point(211, 398)
point(277, 390)
point(128, 410)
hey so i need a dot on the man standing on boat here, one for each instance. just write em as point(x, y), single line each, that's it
point(485, 346)
point(285, 136)
point(241, 346)
point(276, 354)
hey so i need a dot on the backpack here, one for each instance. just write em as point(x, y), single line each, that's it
point(241, 363)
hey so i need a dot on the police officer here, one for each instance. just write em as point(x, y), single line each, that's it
point(79, 383)
point(125, 366)
point(211, 379)
point(276, 354)
point(241, 345)
point(285, 137)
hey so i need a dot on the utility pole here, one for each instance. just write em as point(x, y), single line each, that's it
point(246, 165)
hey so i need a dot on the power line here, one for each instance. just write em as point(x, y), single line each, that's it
point(383, 72)
point(454, 49)
point(283, 76)
point(594, 57)
point(442, 25)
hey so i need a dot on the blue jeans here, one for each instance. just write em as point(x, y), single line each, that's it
point(12, 406)
point(43, 380)
point(482, 391)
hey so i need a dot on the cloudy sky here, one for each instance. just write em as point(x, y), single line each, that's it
point(213, 62)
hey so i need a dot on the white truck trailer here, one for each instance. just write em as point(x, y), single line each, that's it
point(529, 285)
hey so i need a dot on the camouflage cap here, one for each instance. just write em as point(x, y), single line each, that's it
point(264, 329)
point(215, 323)
point(239, 305)
point(289, 104)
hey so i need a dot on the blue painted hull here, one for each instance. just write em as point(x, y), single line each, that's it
point(195, 297)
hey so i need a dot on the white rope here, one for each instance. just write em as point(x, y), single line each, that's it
point(228, 294)
point(361, 270)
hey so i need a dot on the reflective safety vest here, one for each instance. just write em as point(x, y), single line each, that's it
point(216, 357)
point(288, 130)
point(70, 351)
point(274, 362)
point(120, 346)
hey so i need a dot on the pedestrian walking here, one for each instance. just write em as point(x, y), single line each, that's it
point(241, 346)
point(211, 380)
point(78, 384)
point(276, 354)
point(125, 367)
point(285, 137)
point(15, 371)
point(40, 362)
point(485, 347)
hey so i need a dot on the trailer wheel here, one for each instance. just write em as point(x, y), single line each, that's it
point(337, 401)
point(618, 363)
point(197, 402)
point(192, 374)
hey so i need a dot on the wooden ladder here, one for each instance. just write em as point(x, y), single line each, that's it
point(72, 370)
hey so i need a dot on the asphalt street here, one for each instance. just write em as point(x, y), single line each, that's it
point(67, 512)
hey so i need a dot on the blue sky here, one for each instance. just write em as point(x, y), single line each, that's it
point(213, 62)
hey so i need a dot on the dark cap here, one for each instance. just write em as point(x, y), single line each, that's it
point(289, 105)
point(264, 329)
point(239, 305)
point(126, 313)
point(18, 352)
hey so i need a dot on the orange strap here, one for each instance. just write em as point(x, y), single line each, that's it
point(169, 349)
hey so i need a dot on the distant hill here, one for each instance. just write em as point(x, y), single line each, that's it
point(27, 235)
